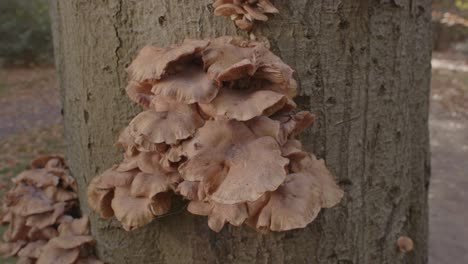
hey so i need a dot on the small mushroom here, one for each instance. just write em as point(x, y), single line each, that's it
point(244, 105)
point(190, 86)
point(242, 10)
point(32, 249)
point(134, 212)
point(139, 92)
point(153, 63)
point(295, 204)
point(220, 214)
point(178, 122)
point(405, 244)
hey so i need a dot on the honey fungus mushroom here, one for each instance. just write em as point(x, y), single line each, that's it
point(134, 194)
point(219, 129)
point(40, 211)
point(232, 164)
point(244, 12)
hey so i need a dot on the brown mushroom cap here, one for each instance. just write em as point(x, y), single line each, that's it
point(331, 193)
point(11, 249)
point(190, 86)
point(225, 61)
point(220, 214)
point(139, 92)
point(149, 185)
point(233, 166)
point(75, 227)
point(295, 204)
point(46, 219)
point(32, 249)
point(134, 212)
point(254, 169)
point(152, 63)
point(294, 124)
point(243, 105)
point(48, 162)
point(26, 200)
point(37, 177)
point(210, 144)
point(176, 123)
point(243, 10)
point(54, 255)
point(70, 241)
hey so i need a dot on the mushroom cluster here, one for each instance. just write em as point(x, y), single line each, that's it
point(219, 129)
point(244, 12)
point(41, 210)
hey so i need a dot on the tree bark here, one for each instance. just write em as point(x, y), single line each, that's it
point(364, 70)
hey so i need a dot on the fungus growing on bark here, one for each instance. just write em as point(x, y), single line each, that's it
point(40, 210)
point(244, 12)
point(219, 129)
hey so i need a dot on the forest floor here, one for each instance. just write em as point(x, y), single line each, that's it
point(30, 124)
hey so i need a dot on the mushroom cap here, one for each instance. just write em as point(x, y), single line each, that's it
point(244, 105)
point(295, 204)
point(134, 212)
point(17, 230)
point(225, 61)
point(331, 193)
point(180, 122)
point(47, 233)
point(149, 162)
point(48, 162)
point(75, 226)
point(37, 177)
point(294, 124)
point(46, 219)
point(139, 92)
point(153, 63)
point(232, 165)
point(149, 185)
point(11, 249)
point(242, 10)
point(54, 255)
point(254, 169)
point(70, 241)
point(210, 144)
point(26, 200)
point(112, 178)
point(263, 126)
point(189, 190)
point(220, 214)
point(190, 86)
point(32, 249)
point(100, 199)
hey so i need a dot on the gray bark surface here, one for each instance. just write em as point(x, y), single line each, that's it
point(364, 70)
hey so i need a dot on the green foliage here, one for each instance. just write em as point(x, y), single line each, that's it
point(462, 4)
point(25, 30)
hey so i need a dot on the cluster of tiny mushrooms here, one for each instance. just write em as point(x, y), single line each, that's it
point(219, 129)
point(41, 211)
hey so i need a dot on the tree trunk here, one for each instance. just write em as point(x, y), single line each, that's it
point(364, 70)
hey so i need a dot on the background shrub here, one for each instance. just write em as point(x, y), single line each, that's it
point(25, 32)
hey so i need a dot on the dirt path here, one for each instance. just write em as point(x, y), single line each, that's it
point(448, 196)
point(28, 99)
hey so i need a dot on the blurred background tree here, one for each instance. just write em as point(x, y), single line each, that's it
point(25, 30)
